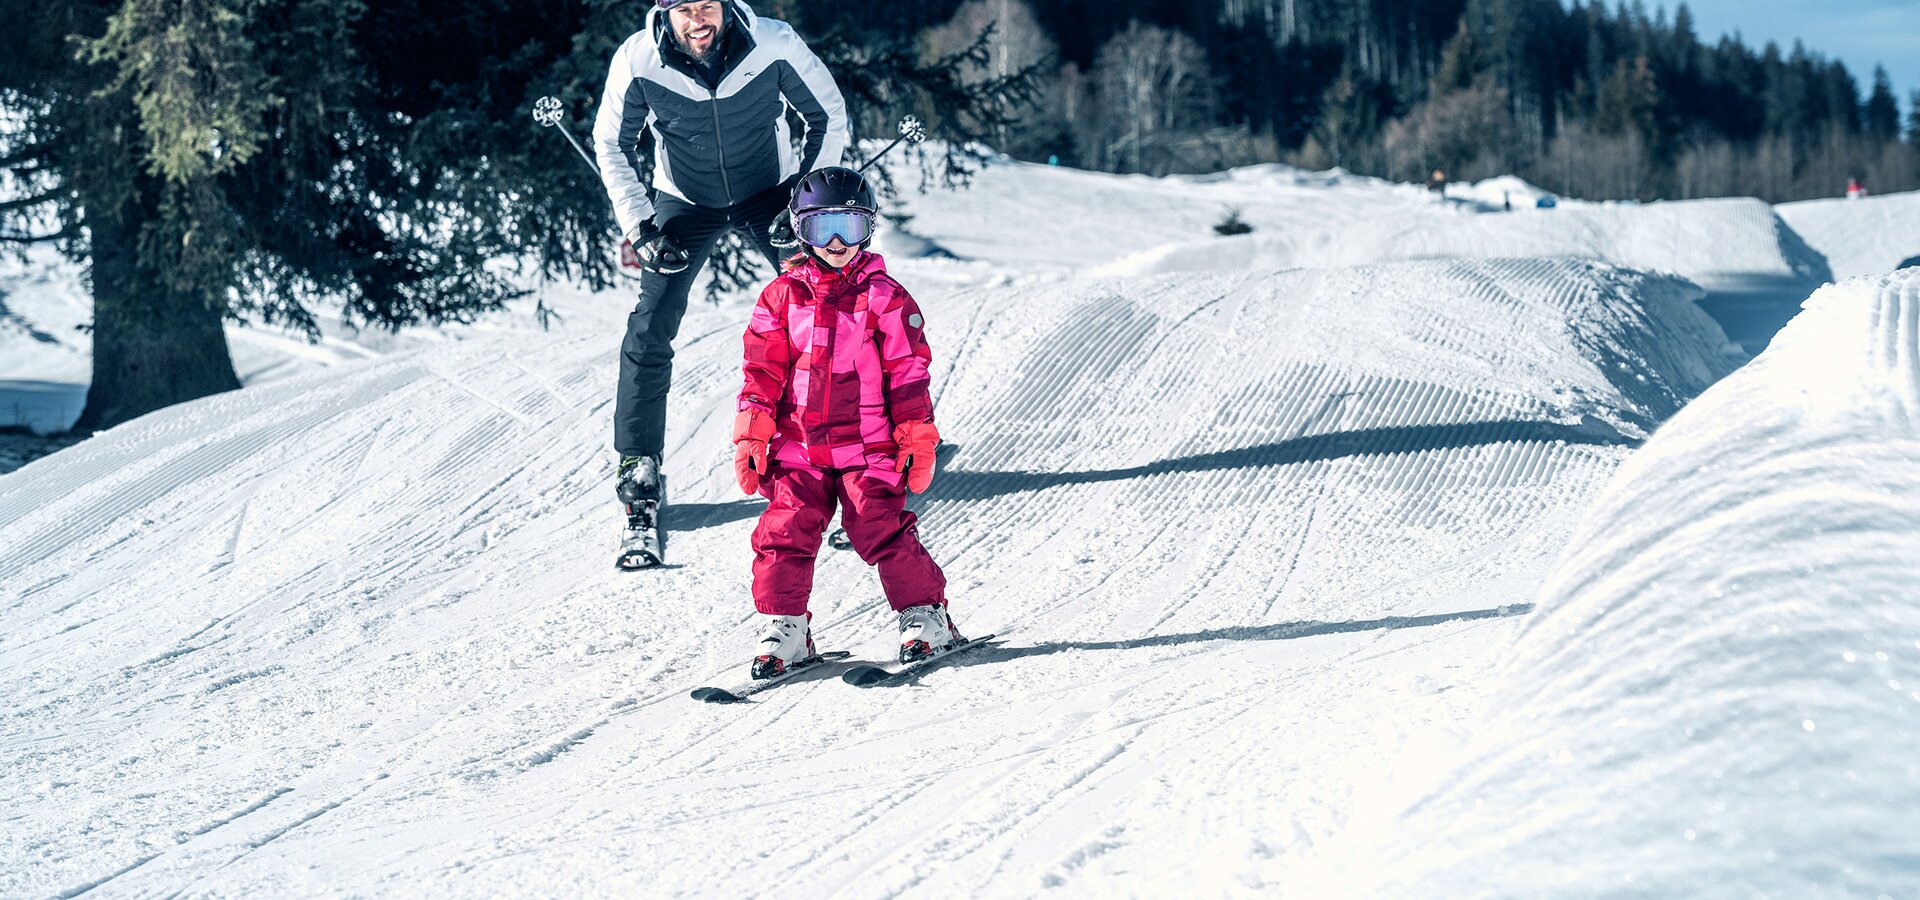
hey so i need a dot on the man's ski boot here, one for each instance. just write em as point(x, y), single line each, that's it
point(642, 491)
point(926, 630)
point(785, 644)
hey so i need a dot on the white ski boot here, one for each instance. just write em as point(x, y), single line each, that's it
point(786, 643)
point(926, 630)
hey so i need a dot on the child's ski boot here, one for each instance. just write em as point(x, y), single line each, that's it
point(926, 630)
point(785, 644)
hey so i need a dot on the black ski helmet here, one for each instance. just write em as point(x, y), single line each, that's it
point(834, 187)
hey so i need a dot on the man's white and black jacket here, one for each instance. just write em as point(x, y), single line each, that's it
point(720, 132)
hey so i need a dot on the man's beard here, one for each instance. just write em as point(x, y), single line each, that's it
point(713, 44)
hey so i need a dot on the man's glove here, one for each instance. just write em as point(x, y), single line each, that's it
point(751, 431)
point(916, 440)
point(780, 234)
point(657, 252)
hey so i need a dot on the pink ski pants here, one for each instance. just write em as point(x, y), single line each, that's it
point(883, 532)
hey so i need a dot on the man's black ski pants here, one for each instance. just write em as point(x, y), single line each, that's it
point(646, 356)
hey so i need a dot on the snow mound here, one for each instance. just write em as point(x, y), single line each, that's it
point(358, 628)
point(1498, 193)
point(1719, 693)
point(44, 356)
point(1869, 236)
point(1709, 241)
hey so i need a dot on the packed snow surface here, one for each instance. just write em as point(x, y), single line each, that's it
point(1252, 525)
point(1719, 692)
point(1868, 236)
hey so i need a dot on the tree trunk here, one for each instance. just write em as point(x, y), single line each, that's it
point(152, 346)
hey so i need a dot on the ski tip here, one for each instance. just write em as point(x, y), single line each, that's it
point(716, 695)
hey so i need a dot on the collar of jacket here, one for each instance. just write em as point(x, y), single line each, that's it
point(861, 268)
point(735, 43)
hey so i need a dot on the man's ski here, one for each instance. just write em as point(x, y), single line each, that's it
point(644, 543)
point(870, 674)
point(748, 688)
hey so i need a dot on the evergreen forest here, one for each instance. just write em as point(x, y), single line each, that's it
point(1585, 99)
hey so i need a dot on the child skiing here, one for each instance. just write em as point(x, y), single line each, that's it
point(836, 411)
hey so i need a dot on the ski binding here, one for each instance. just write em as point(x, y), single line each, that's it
point(870, 674)
point(748, 688)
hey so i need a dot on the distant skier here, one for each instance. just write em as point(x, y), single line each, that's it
point(836, 410)
point(1855, 190)
point(713, 82)
point(1437, 182)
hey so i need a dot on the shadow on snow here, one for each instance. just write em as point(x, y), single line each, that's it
point(1283, 632)
point(965, 484)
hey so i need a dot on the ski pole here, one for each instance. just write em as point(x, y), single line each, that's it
point(910, 130)
point(547, 111)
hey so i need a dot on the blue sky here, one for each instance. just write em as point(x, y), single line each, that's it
point(1860, 33)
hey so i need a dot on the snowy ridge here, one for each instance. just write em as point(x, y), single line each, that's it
point(1870, 236)
point(1719, 691)
point(1704, 240)
point(358, 629)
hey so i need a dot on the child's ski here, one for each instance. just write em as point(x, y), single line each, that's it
point(751, 686)
point(869, 674)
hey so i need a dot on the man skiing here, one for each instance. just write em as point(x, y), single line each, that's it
point(835, 411)
point(713, 82)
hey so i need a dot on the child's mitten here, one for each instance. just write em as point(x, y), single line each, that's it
point(751, 431)
point(916, 440)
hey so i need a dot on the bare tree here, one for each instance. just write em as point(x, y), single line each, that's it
point(1018, 40)
point(1469, 132)
point(1015, 42)
point(1154, 84)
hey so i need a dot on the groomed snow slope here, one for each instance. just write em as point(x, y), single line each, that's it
point(1755, 269)
point(359, 632)
point(1869, 236)
point(1719, 694)
point(1128, 225)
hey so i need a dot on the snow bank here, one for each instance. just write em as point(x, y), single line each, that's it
point(46, 351)
point(1719, 693)
point(44, 356)
point(1498, 193)
point(1708, 241)
point(1870, 236)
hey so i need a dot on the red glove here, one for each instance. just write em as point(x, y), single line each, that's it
point(751, 431)
point(916, 440)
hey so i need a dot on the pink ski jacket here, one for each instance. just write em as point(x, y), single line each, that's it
point(837, 359)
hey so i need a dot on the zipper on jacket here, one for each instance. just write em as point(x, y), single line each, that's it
point(833, 333)
point(720, 146)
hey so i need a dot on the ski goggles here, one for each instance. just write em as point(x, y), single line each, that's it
point(818, 228)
